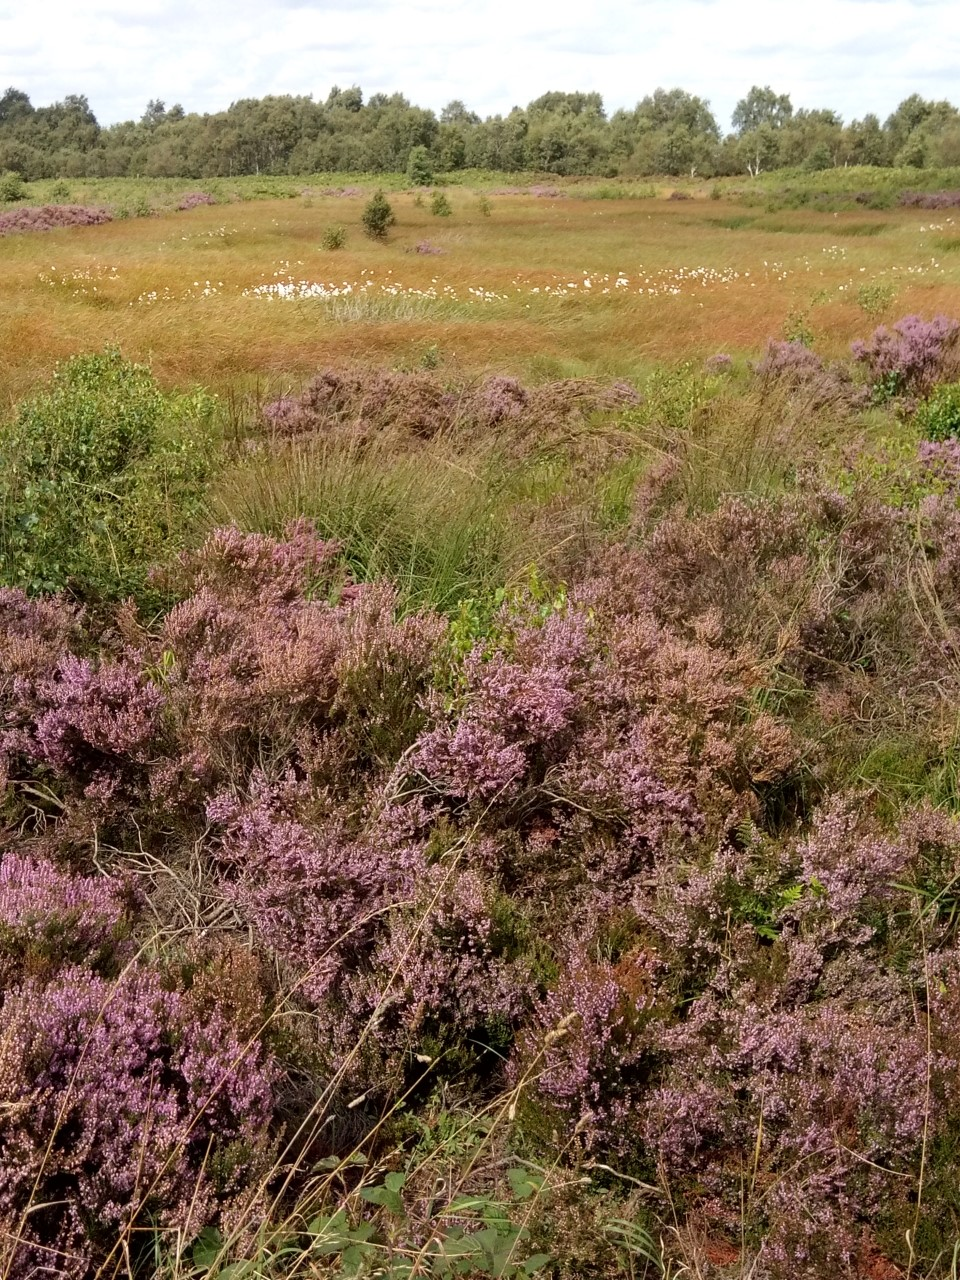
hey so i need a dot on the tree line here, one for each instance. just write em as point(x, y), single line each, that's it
point(669, 132)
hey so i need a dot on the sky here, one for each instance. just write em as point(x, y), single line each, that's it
point(852, 55)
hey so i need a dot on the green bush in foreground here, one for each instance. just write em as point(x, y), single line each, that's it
point(938, 417)
point(101, 475)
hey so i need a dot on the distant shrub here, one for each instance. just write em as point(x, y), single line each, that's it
point(938, 417)
point(440, 205)
point(12, 187)
point(419, 168)
point(820, 158)
point(719, 363)
point(87, 471)
point(334, 238)
point(193, 199)
point(60, 192)
point(377, 216)
point(930, 199)
point(796, 328)
point(876, 297)
point(484, 206)
point(50, 216)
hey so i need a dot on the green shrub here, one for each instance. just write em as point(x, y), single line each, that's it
point(60, 192)
point(419, 168)
point(483, 204)
point(101, 477)
point(440, 205)
point(938, 417)
point(377, 216)
point(876, 297)
point(796, 328)
point(12, 187)
point(334, 238)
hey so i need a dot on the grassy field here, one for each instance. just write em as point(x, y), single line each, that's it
point(572, 285)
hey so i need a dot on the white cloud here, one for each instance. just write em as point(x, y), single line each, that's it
point(852, 55)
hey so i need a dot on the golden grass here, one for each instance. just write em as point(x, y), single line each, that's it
point(59, 297)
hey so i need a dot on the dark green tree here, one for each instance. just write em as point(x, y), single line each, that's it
point(377, 216)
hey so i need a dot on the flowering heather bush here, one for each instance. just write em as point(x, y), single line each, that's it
point(194, 198)
point(49, 919)
point(89, 720)
point(910, 357)
point(502, 398)
point(832, 564)
point(441, 977)
point(590, 1048)
point(838, 1099)
point(930, 199)
point(719, 363)
point(283, 415)
point(379, 397)
point(602, 740)
point(539, 191)
point(424, 246)
point(314, 893)
point(939, 463)
point(367, 929)
point(421, 404)
point(794, 365)
point(262, 671)
point(120, 1111)
point(49, 217)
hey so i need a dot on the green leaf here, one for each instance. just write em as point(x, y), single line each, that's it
point(388, 1195)
point(207, 1248)
point(524, 1183)
point(468, 1204)
point(235, 1271)
point(535, 1262)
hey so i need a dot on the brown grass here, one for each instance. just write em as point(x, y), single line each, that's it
point(225, 338)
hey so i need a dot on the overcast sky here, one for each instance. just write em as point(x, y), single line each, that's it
point(852, 55)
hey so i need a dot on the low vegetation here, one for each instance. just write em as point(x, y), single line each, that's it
point(478, 732)
point(477, 828)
